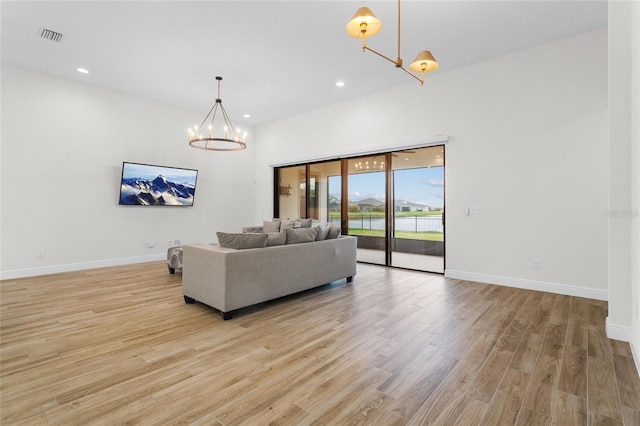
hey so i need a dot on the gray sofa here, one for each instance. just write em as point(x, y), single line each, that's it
point(228, 279)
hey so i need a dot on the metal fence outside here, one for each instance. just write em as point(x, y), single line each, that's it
point(431, 223)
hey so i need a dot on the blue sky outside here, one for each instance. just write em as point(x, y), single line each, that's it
point(421, 186)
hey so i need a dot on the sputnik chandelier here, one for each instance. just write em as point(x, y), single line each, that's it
point(365, 24)
point(228, 139)
point(375, 165)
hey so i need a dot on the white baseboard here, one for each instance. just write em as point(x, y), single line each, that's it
point(618, 332)
point(636, 356)
point(71, 267)
point(569, 290)
point(622, 333)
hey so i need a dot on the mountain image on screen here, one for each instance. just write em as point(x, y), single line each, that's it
point(156, 192)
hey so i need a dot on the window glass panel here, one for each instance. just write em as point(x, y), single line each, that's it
point(367, 206)
point(291, 192)
point(324, 186)
point(418, 208)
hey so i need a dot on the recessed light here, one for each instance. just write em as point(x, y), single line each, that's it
point(83, 70)
point(340, 84)
point(247, 116)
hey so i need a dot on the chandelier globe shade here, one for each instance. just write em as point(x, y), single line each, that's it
point(221, 136)
point(363, 24)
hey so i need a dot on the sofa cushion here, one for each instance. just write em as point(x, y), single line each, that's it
point(323, 231)
point(276, 238)
point(301, 235)
point(334, 232)
point(242, 241)
point(303, 223)
point(271, 226)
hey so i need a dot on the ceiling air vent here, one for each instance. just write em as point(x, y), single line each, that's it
point(51, 35)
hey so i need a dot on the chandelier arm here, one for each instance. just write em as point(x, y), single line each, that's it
point(421, 80)
point(215, 111)
point(213, 116)
point(229, 124)
point(396, 63)
point(208, 114)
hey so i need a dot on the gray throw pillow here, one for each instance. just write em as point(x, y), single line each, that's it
point(303, 223)
point(241, 241)
point(253, 229)
point(286, 224)
point(301, 235)
point(323, 231)
point(270, 226)
point(334, 232)
point(276, 238)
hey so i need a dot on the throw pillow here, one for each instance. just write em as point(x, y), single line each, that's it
point(323, 231)
point(252, 229)
point(286, 224)
point(303, 223)
point(276, 238)
point(334, 232)
point(301, 235)
point(241, 241)
point(268, 227)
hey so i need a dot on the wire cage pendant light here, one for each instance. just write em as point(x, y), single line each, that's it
point(365, 24)
point(227, 138)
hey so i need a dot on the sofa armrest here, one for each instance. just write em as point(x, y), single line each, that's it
point(205, 279)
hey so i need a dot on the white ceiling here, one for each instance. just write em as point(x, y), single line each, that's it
point(278, 58)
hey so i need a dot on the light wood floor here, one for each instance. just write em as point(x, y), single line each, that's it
point(119, 346)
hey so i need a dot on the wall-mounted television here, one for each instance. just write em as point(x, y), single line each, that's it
point(149, 185)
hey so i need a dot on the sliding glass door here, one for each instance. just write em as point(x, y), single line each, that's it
point(392, 202)
point(367, 207)
point(324, 192)
point(417, 237)
point(309, 191)
point(291, 192)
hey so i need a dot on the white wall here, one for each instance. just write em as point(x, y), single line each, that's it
point(635, 182)
point(63, 145)
point(623, 322)
point(528, 143)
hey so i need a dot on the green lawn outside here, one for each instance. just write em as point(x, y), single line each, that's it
point(425, 236)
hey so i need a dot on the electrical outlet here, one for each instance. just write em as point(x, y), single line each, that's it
point(535, 264)
point(174, 243)
point(151, 244)
point(40, 253)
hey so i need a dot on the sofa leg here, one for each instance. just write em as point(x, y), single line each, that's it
point(189, 300)
point(226, 316)
point(350, 279)
point(172, 270)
